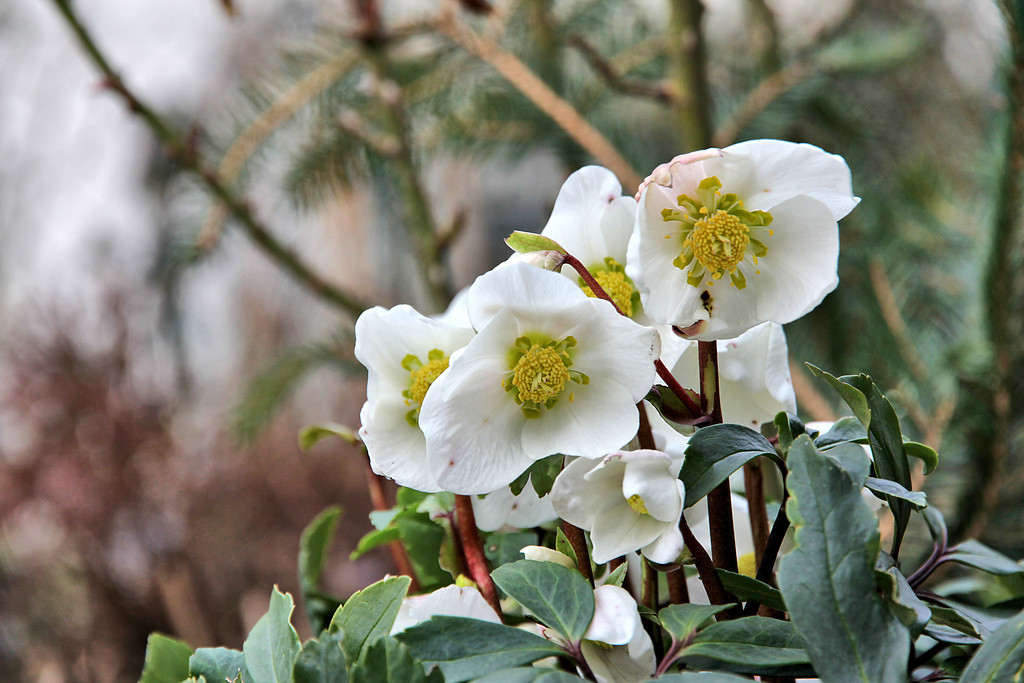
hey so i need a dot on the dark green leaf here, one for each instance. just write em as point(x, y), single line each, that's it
point(525, 242)
point(947, 634)
point(557, 596)
point(717, 451)
point(975, 554)
point(272, 644)
point(852, 459)
point(886, 441)
point(748, 588)
point(682, 621)
point(541, 475)
point(851, 395)
point(702, 677)
point(374, 539)
point(422, 539)
point(925, 454)
point(529, 675)
point(321, 660)
point(903, 601)
point(617, 576)
point(947, 616)
point(369, 614)
point(389, 661)
point(754, 645)
point(316, 539)
point(889, 488)
point(167, 660)
point(504, 548)
point(563, 546)
point(670, 407)
point(469, 648)
point(828, 578)
point(936, 524)
point(218, 664)
point(788, 428)
point(311, 436)
point(1001, 657)
point(845, 429)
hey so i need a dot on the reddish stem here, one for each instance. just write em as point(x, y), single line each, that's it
point(723, 536)
point(578, 541)
point(473, 551)
point(663, 372)
point(380, 502)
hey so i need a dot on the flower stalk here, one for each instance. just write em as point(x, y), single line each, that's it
point(723, 535)
point(473, 551)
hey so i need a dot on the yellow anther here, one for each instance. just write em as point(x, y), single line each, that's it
point(540, 374)
point(423, 378)
point(638, 505)
point(616, 285)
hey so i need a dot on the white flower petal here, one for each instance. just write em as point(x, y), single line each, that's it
point(601, 417)
point(648, 474)
point(587, 490)
point(591, 219)
point(500, 507)
point(776, 170)
point(539, 553)
point(667, 547)
point(451, 601)
point(616, 619)
point(530, 293)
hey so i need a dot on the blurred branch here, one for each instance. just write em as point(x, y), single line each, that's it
point(894, 320)
point(611, 76)
point(766, 34)
point(766, 92)
point(810, 400)
point(999, 300)
point(282, 109)
point(561, 112)
point(687, 64)
point(176, 148)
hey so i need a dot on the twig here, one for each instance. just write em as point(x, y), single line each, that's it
point(615, 80)
point(723, 534)
point(578, 541)
point(687, 63)
point(717, 594)
point(766, 92)
point(890, 309)
point(537, 91)
point(175, 148)
point(766, 567)
point(395, 548)
point(473, 551)
point(808, 397)
point(753, 484)
point(249, 140)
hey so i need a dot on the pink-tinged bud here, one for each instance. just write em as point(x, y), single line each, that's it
point(548, 260)
point(663, 174)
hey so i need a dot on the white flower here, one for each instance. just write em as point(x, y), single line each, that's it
point(450, 601)
point(524, 511)
point(550, 371)
point(617, 623)
point(404, 352)
point(539, 553)
point(593, 221)
point(754, 379)
point(727, 239)
point(630, 500)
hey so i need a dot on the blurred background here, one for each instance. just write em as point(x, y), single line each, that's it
point(173, 310)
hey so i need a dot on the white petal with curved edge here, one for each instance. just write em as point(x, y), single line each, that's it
point(587, 490)
point(618, 534)
point(765, 173)
point(500, 507)
point(397, 449)
point(530, 292)
point(665, 548)
point(451, 601)
point(600, 418)
point(648, 474)
point(616, 618)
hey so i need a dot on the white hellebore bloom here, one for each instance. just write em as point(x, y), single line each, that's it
point(450, 601)
point(593, 221)
point(549, 371)
point(630, 500)
point(729, 238)
point(524, 511)
point(754, 380)
point(404, 352)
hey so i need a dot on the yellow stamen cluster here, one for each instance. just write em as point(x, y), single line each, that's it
point(424, 377)
point(717, 235)
point(540, 374)
point(615, 284)
point(421, 376)
point(748, 565)
point(638, 504)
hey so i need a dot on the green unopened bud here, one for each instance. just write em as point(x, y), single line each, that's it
point(526, 242)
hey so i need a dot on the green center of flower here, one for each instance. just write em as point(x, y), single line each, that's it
point(422, 376)
point(539, 372)
point(638, 504)
point(613, 280)
point(717, 235)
